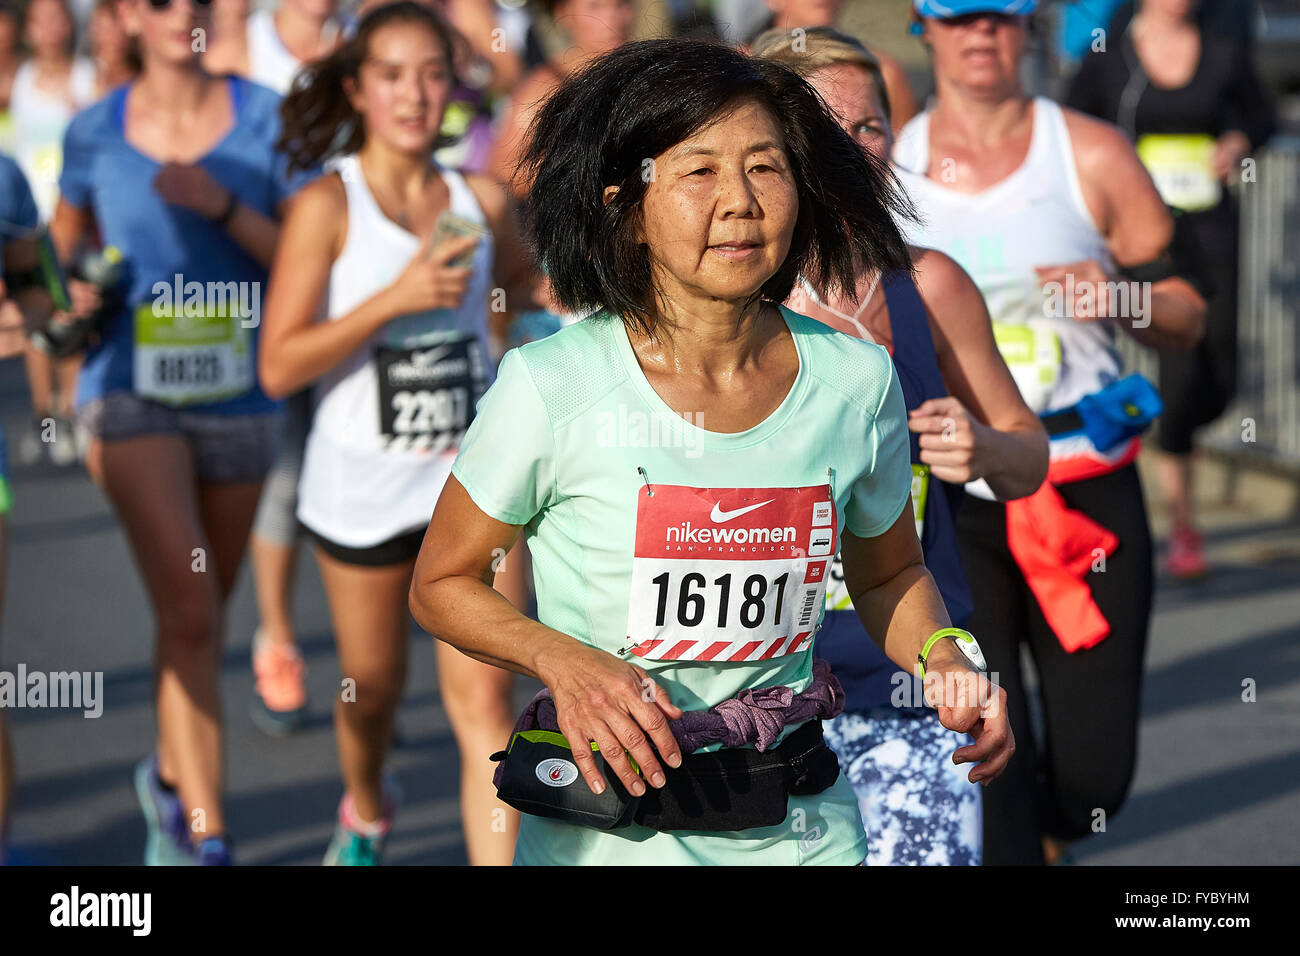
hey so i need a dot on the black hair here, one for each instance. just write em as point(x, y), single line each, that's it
point(644, 97)
point(317, 120)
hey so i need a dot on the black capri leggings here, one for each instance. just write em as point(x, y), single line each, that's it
point(1090, 698)
point(1197, 385)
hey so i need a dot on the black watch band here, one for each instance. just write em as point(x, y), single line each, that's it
point(232, 203)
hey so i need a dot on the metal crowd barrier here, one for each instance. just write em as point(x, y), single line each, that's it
point(1262, 424)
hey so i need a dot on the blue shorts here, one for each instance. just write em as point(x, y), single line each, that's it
point(917, 805)
point(226, 448)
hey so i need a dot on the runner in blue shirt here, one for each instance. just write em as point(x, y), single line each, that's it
point(179, 171)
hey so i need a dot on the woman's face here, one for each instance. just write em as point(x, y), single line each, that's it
point(851, 92)
point(403, 87)
point(806, 13)
point(228, 11)
point(312, 8)
point(167, 35)
point(1173, 9)
point(596, 26)
point(720, 212)
point(49, 31)
point(978, 51)
point(107, 38)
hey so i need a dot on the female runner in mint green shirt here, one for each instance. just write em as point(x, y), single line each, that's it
point(692, 430)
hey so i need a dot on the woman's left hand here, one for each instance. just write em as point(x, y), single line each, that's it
point(1090, 284)
point(1229, 150)
point(953, 443)
point(192, 187)
point(969, 703)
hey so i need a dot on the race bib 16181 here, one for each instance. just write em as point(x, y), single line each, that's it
point(729, 574)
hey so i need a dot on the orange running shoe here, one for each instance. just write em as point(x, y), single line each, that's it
point(279, 695)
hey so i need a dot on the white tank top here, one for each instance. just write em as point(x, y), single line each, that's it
point(269, 60)
point(389, 418)
point(40, 121)
point(1036, 216)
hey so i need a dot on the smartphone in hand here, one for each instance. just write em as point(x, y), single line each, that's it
point(451, 226)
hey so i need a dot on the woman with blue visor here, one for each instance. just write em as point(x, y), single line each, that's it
point(1055, 218)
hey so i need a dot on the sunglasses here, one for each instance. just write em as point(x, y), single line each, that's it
point(164, 4)
point(967, 19)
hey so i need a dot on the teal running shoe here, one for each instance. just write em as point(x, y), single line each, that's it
point(349, 848)
point(357, 844)
point(167, 842)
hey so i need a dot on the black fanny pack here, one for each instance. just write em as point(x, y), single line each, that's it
point(732, 789)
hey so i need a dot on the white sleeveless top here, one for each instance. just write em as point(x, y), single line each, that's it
point(269, 60)
point(39, 124)
point(1035, 217)
point(389, 418)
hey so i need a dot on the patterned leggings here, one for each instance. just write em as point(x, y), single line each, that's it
point(917, 805)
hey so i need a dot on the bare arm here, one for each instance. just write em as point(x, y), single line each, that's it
point(477, 22)
point(69, 226)
point(1005, 444)
point(597, 696)
point(1138, 228)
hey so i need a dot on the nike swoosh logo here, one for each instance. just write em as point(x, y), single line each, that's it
point(718, 515)
point(431, 356)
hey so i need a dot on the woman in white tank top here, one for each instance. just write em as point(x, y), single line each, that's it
point(1045, 208)
point(392, 329)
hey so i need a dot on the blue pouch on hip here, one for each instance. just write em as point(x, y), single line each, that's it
point(1121, 410)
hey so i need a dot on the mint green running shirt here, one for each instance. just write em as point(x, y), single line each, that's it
point(700, 556)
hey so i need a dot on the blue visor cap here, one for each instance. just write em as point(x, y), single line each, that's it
point(944, 9)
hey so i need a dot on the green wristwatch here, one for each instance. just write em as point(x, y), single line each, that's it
point(965, 642)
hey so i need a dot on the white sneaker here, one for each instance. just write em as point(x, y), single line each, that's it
point(63, 450)
point(30, 447)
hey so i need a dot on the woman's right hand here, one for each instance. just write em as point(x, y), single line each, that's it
point(428, 282)
point(619, 706)
point(85, 296)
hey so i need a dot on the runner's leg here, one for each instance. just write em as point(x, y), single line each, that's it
point(477, 697)
point(273, 548)
point(368, 607)
point(66, 371)
point(1092, 698)
point(40, 385)
point(273, 566)
point(7, 777)
point(150, 480)
point(1012, 833)
point(480, 706)
point(227, 509)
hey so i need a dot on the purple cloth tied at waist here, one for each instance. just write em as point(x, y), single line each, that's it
point(751, 717)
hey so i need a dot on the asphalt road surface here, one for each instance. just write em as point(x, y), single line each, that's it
point(1217, 783)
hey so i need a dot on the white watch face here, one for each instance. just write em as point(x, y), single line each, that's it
point(968, 646)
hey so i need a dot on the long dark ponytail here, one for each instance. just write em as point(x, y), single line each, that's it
point(317, 121)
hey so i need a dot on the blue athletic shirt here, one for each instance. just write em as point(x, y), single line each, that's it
point(17, 205)
point(867, 674)
point(103, 172)
point(17, 215)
